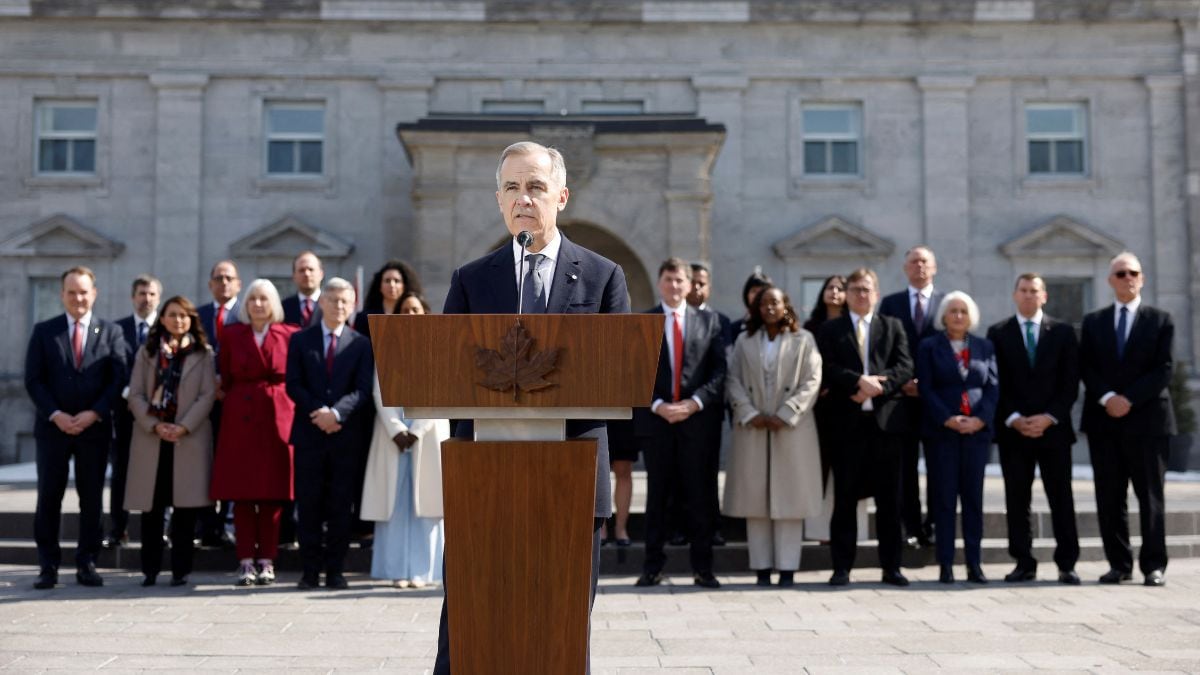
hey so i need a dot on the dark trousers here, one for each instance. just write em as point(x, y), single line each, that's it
point(53, 459)
point(183, 522)
point(118, 517)
point(324, 495)
point(212, 518)
point(910, 487)
point(441, 664)
point(868, 462)
point(1018, 460)
point(1118, 460)
point(678, 453)
point(956, 465)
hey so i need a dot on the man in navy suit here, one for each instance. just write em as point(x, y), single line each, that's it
point(147, 291)
point(1125, 360)
point(304, 308)
point(676, 430)
point(74, 370)
point(330, 375)
point(915, 307)
point(557, 277)
point(224, 284)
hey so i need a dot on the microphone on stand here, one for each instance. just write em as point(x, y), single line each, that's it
point(524, 238)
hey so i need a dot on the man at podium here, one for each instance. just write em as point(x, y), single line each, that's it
point(555, 276)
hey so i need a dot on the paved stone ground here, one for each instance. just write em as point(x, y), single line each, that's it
point(212, 626)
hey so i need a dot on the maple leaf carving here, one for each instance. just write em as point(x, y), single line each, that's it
point(516, 366)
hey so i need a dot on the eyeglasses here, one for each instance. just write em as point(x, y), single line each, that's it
point(224, 277)
point(1132, 274)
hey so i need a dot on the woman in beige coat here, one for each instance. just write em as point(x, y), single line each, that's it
point(171, 392)
point(774, 474)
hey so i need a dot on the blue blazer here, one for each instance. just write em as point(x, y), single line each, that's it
point(942, 386)
point(208, 317)
point(54, 383)
point(348, 391)
point(584, 283)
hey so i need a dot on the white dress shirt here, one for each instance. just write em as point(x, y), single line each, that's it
point(1132, 306)
point(926, 295)
point(548, 265)
point(668, 332)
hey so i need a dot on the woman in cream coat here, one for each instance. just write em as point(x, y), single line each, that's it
point(774, 475)
point(402, 491)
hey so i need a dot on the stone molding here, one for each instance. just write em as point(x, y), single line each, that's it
point(834, 237)
point(1061, 237)
point(60, 236)
point(284, 237)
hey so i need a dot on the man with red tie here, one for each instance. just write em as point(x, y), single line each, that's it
point(304, 309)
point(74, 370)
point(224, 284)
point(689, 387)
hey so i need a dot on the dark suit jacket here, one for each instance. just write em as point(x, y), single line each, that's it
point(897, 305)
point(1141, 376)
point(348, 391)
point(889, 356)
point(54, 383)
point(584, 283)
point(293, 315)
point(208, 316)
point(703, 373)
point(942, 385)
point(1049, 386)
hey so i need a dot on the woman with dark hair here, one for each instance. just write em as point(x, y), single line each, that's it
point(830, 303)
point(387, 287)
point(171, 392)
point(774, 475)
point(750, 290)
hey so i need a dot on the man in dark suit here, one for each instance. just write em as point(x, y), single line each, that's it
point(557, 277)
point(330, 375)
point(147, 291)
point(1125, 360)
point(698, 298)
point(866, 362)
point(74, 370)
point(224, 284)
point(916, 307)
point(304, 309)
point(675, 431)
point(1037, 359)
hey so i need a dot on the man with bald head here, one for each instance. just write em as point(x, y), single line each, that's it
point(1125, 361)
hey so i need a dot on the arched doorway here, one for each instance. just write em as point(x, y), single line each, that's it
point(600, 240)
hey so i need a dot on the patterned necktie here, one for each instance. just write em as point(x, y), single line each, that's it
point(306, 311)
point(533, 290)
point(919, 313)
point(77, 345)
point(329, 354)
point(860, 333)
point(1122, 326)
point(1030, 342)
point(677, 338)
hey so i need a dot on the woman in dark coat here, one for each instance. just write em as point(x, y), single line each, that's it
point(392, 281)
point(254, 459)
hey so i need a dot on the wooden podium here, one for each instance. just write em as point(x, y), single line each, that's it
point(519, 499)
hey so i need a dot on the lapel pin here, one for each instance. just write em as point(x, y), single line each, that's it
point(572, 277)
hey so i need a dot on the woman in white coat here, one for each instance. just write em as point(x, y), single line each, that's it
point(402, 491)
point(774, 474)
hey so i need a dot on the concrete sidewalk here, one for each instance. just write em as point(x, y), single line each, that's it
point(867, 627)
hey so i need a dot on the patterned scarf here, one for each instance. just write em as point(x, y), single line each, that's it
point(165, 404)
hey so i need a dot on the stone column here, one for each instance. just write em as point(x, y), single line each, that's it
point(719, 99)
point(178, 164)
point(1191, 136)
point(434, 225)
point(404, 100)
point(945, 167)
point(1168, 271)
point(689, 194)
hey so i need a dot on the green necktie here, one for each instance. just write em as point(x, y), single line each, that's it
point(1030, 343)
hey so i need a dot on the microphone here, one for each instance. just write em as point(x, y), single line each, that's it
point(524, 238)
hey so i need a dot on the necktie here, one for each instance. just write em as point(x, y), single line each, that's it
point(533, 291)
point(677, 338)
point(141, 333)
point(220, 321)
point(77, 345)
point(1030, 342)
point(329, 354)
point(1122, 325)
point(860, 332)
point(306, 311)
point(918, 313)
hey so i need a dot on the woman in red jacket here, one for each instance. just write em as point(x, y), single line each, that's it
point(253, 466)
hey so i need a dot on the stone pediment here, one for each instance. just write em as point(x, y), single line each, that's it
point(834, 237)
point(60, 236)
point(1062, 237)
point(287, 237)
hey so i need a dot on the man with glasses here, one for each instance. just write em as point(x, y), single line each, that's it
point(1125, 362)
point(866, 364)
point(224, 284)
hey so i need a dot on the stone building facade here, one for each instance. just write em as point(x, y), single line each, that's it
point(805, 137)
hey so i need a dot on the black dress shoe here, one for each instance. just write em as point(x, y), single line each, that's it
point(975, 575)
point(895, 578)
point(912, 542)
point(946, 576)
point(1021, 573)
point(1155, 578)
point(926, 541)
point(718, 539)
point(178, 581)
point(706, 580)
point(787, 579)
point(649, 579)
point(335, 581)
point(763, 577)
point(86, 575)
point(624, 543)
point(1115, 577)
point(115, 541)
point(839, 578)
point(1068, 577)
point(47, 579)
point(149, 580)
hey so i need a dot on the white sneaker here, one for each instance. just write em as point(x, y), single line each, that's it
point(266, 573)
point(247, 575)
point(417, 583)
point(401, 583)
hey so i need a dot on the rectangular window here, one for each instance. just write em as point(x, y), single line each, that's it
point(613, 107)
point(513, 107)
point(295, 134)
point(1057, 138)
point(1068, 299)
point(832, 140)
point(66, 137)
point(45, 298)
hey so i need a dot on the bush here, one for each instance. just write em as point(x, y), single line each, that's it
point(1181, 399)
